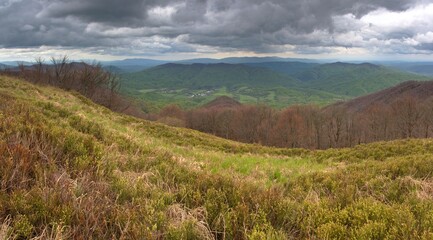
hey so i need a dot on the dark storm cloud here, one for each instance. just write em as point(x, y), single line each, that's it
point(253, 25)
point(425, 47)
point(114, 12)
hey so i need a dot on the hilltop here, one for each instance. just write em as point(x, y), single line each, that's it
point(207, 76)
point(419, 91)
point(193, 85)
point(353, 79)
point(277, 84)
point(73, 169)
point(287, 68)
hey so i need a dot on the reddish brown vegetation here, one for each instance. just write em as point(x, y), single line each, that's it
point(395, 113)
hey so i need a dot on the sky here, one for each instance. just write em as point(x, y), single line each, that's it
point(181, 29)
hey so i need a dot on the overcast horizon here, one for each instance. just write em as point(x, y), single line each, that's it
point(399, 30)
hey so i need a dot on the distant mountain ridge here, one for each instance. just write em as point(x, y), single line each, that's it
point(353, 79)
point(424, 68)
point(245, 60)
point(192, 85)
point(286, 68)
point(198, 75)
point(274, 83)
point(338, 78)
point(139, 64)
point(4, 66)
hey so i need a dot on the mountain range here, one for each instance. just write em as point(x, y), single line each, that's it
point(277, 84)
point(274, 81)
point(424, 68)
point(137, 64)
point(4, 66)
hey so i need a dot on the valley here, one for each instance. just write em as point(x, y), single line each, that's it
point(216, 120)
point(276, 84)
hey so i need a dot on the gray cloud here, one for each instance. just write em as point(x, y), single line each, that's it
point(140, 26)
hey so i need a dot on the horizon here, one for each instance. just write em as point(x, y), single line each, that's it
point(188, 29)
point(163, 60)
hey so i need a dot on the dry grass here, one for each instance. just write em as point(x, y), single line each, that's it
point(73, 170)
point(424, 187)
point(180, 215)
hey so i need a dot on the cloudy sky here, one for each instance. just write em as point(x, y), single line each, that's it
point(177, 29)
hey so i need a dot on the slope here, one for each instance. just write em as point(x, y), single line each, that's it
point(417, 90)
point(133, 65)
point(222, 102)
point(353, 79)
point(72, 169)
point(244, 60)
point(287, 68)
point(199, 76)
point(423, 68)
point(4, 66)
point(195, 84)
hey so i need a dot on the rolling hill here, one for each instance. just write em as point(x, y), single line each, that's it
point(426, 69)
point(287, 68)
point(4, 66)
point(353, 79)
point(132, 65)
point(139, 64)
point(244, 60)
point(207, 76)
point(423, 68)
point(192, 85)
point(417, 90)
point(73, 169)
point(277, 84)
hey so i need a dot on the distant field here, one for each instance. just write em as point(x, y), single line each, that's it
point(277, 84)
point(275, 97)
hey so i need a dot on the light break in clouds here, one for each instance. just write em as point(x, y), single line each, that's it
point(108, 29)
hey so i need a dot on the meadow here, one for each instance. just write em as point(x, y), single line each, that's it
point(73, 169)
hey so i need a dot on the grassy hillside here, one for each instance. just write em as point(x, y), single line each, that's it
point(196, 84)
point(353, 79)
point(72, 169)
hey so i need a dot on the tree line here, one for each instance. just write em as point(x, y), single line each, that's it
point(308, 126)
point(89, 79)
point(301, 126)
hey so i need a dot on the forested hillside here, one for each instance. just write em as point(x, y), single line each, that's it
point(404, 111)
point(276, 84)
point(354, 79)
point(196, 84)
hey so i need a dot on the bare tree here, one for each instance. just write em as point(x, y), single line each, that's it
point(407, 115)
point(62, 74)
